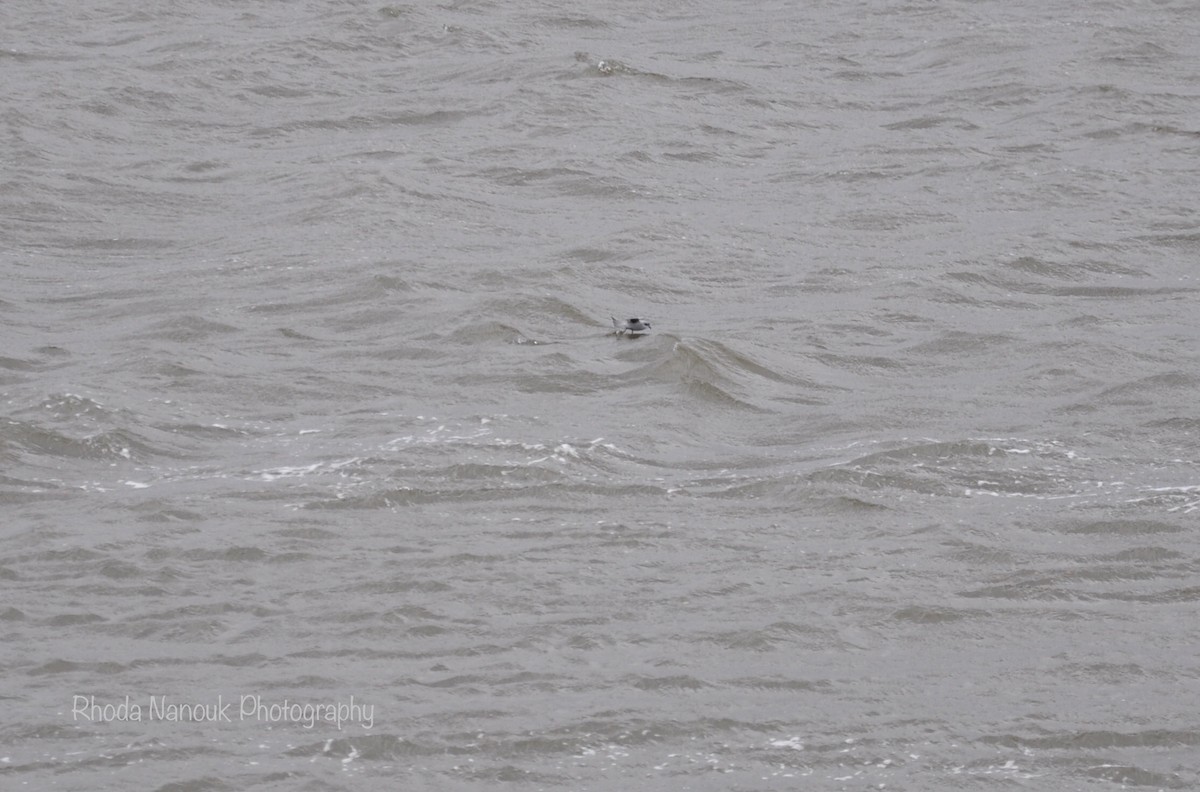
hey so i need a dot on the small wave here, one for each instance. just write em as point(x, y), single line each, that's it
point(16, 364)
point(186, 328)
point(966, 468)
point(111, 445)
point(713, 372)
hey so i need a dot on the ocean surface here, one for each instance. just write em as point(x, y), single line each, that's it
point(321, 467)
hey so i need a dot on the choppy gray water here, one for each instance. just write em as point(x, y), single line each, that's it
point(311, 400)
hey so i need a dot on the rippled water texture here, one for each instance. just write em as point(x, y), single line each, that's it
point(322, 468)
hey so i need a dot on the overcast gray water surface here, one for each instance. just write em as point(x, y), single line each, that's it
point(323, 469)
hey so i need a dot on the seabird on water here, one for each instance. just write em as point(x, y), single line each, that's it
point(632, 326)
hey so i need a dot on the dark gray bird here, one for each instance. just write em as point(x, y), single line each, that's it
point(631, 326)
